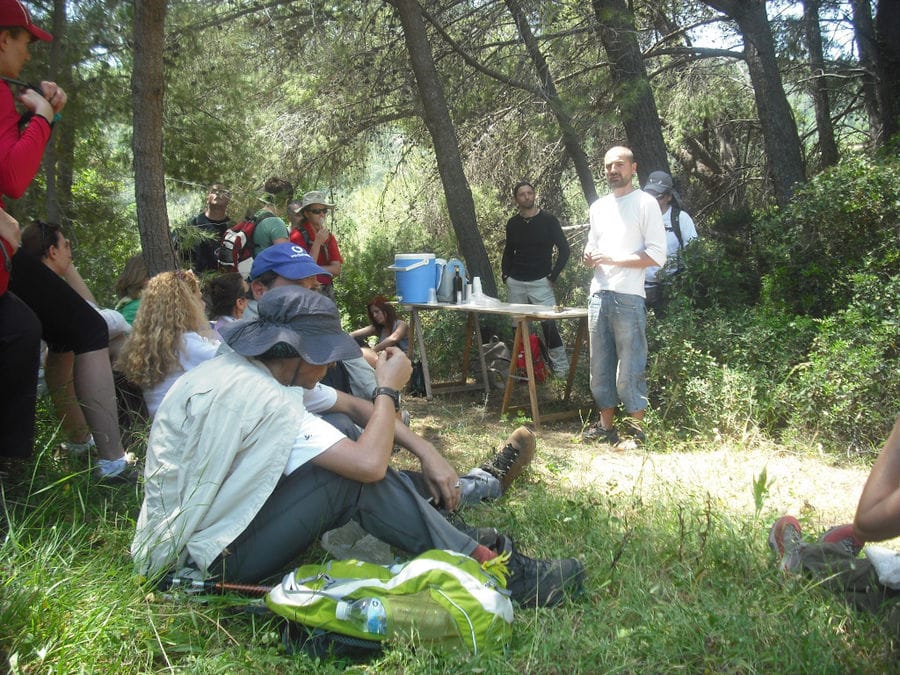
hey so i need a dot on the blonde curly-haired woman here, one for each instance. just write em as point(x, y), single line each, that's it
point(170, 335)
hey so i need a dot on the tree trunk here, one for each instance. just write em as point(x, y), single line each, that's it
point(780, 138)
point(828, 151)
point(887, 40)
point(460, 204)
point(59, 66)
point(864, 34)
point(147, 88)
point(570, 137)
point(631, 93)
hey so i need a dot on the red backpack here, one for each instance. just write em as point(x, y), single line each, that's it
point(540, 368)
point(237, 243)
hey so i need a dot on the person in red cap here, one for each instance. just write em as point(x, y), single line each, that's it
point(20, 330)
point(80, 348)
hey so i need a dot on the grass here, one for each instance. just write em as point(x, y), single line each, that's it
point(677, 581)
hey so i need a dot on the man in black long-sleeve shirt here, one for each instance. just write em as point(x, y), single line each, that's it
point(528, 268)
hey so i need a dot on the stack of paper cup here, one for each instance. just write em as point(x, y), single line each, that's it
point(476, 286)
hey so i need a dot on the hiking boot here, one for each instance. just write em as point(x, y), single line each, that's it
point(540, 583)
point(509, 462)
point(844, 536)
point(785, 540)
point(596, 433)
point(632, 429)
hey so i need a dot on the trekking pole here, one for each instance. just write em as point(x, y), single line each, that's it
point(173, 582)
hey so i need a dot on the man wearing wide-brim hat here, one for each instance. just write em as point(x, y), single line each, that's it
point(240, 478)
point(307, 217)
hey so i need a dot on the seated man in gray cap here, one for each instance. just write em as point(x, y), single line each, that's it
point(289, 265)
point(240, 478)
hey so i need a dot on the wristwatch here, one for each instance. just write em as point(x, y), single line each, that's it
point(387, 391)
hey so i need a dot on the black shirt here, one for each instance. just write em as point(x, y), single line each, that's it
point(528, 254)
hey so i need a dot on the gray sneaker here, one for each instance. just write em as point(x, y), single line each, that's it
point(844, 536)
point(785, 540)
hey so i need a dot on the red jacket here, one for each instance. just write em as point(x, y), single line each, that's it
point(328, 252)
point(20, 159)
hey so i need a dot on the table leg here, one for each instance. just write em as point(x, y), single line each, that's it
point(510, 380)
point(420, 340)
point(476, 330)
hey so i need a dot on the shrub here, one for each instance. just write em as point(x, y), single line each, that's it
point(842, 220)
point(848, 389)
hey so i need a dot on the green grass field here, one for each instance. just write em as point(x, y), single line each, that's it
point(677, 581)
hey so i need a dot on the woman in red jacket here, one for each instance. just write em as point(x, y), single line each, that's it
point(69, 324)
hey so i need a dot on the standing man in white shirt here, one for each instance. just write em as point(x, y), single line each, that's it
point(626, 236)
point(680, 229)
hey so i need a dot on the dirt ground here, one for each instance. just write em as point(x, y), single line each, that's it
point(824, 493)
point(819, 489)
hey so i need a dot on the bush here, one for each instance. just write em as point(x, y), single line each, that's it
point(841, 221)
point(848, 389)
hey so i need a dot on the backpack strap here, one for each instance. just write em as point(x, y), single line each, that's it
point(675, 218)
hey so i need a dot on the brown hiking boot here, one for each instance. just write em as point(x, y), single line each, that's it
point(512, 458)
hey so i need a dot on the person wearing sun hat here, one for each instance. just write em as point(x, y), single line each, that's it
point(680, 230)
point(308, 230)
point(240, 478)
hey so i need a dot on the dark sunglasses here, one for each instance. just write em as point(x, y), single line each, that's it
point(318, 212)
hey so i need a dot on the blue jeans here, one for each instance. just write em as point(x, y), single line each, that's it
point(618, 335)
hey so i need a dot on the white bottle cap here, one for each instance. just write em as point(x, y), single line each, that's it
point(342, 611)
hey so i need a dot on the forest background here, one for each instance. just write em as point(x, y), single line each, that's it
point(777, 119)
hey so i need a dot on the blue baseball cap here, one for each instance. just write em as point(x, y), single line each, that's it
point(286, 260)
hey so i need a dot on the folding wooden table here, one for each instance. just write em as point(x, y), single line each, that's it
point(519, 313)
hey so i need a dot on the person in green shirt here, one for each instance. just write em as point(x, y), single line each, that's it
point(270, 228)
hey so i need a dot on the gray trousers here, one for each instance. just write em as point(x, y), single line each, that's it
point(852, 577)
point(313, 500)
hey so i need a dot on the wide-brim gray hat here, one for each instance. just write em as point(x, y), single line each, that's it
point(303, 319)
point(315, 197)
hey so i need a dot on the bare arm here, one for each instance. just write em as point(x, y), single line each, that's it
point(366, 459)
point(878, 512)
point(400, 331)
point(77, 283)
point(639, 259)
point(364, 332)
point(439, 474)
point(9, 230)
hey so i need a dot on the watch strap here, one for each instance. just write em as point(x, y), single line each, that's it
point(393, 393)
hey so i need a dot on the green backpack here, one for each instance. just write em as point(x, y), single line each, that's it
point(439, 597)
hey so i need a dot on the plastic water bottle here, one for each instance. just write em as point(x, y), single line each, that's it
point(367, 614)
point(415, 615)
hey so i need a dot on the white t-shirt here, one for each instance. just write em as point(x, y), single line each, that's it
point(688, 232)
point(623, 226)
point(195, 349)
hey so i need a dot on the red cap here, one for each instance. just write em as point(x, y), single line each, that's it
point(13, 13)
